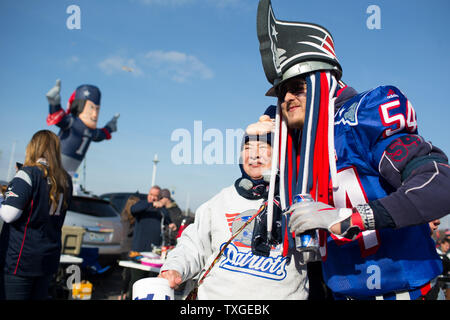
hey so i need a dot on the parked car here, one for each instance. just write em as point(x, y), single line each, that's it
point(119, 199)
point(101, 221)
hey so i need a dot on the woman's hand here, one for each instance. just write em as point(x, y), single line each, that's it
point(173, 277)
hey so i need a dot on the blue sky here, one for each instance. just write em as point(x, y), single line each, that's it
point(198, 60)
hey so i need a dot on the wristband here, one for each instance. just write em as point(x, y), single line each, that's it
point(367, 217)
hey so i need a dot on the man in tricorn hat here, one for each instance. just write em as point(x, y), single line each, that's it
point(376, 182)
point(78, 123)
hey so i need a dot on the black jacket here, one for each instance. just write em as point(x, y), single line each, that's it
point(148, 225)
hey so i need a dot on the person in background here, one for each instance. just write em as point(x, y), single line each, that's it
point(170, 234)
point(444, 246)
point(33, 210)
point(149, 214)
point(444, 254)
point(128, 221)
point(150, 217)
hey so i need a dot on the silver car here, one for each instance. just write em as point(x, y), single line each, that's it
point(101, 221)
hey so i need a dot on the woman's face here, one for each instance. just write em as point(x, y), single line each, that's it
point(257, 158)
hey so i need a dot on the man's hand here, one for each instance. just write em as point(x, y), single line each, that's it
point(112, 124)
point(263, 126)
point(173, 277)
point(53, 95)
point(173, 226)
point(316, 215)
point(434, 225)
point(157, 204)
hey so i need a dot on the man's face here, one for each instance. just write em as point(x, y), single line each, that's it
point(153, 195)
point(89, 116)
point(292, 97)
point(445, 246)
point(257, 158)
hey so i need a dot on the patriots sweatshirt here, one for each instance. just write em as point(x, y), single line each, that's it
point(238, 274)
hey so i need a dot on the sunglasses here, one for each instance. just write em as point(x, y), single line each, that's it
point(296, 87)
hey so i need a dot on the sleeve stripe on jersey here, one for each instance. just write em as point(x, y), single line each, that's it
point(24, 176)
point(389, 160)
point(427, 182)
point(9, 213)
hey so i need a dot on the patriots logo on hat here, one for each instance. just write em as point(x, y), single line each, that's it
point(284, 44)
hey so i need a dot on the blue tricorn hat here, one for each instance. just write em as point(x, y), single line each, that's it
point(88, 92)
point(289, 49)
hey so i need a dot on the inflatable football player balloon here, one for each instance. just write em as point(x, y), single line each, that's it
point(78, 123)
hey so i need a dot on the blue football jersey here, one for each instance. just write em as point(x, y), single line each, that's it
point(31, 245)
point(75, 137)
point(377, 262)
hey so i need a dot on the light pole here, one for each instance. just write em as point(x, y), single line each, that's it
point(10, 174)
point(155, 162)
point(188, 198)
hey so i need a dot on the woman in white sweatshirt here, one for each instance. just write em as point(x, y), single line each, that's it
point(239, 273)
